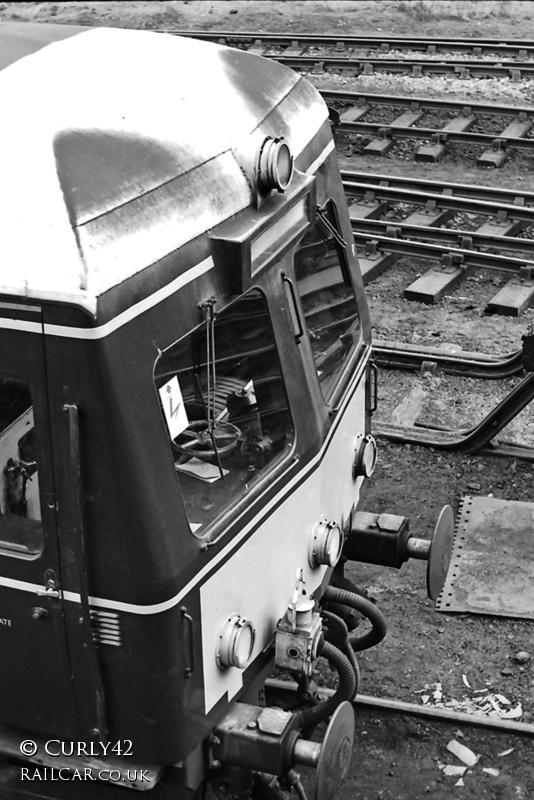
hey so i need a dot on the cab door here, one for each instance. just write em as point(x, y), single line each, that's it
point(35, 669)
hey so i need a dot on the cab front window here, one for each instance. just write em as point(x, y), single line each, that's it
point(327, 296)
point(225, 407)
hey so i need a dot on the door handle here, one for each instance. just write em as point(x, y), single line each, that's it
point(50, 588)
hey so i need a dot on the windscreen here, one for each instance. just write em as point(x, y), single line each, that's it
point(225, 407)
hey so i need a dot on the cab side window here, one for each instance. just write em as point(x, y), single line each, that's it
point(328, 300)
point(20, 512)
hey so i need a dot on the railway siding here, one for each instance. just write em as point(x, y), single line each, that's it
point(393, 221)
point(386, 118)
point(353, 55)
point(290, 43)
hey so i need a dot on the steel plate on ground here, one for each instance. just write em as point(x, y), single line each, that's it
point(492, 564)
point(440, 553)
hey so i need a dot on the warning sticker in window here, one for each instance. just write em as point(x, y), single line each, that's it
point(173, 407)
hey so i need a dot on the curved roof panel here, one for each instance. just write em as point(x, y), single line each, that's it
point(109, 120)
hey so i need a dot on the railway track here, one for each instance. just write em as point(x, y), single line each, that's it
point(508, 49)
point(496, 195)
point(455, 229)
point(354, 66)
point(395, 355)
point(437, 123)
point(478, 438)
point(396, 217)
point(377, 122)
point(366, 55)
point(381, 120)
point(278, 690)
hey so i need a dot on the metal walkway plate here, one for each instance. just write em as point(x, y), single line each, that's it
point(492, 565)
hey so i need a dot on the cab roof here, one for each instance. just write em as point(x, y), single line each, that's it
point(118, 146)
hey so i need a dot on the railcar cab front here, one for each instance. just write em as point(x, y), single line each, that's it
point(184, 409)
point(253, 389)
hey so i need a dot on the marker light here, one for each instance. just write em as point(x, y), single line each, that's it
point(365, 452)
point(326, 545)
point(274, 165)
point(236, 642)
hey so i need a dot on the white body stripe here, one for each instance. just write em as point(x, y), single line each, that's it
point(23, 586)
point(144, 305)
point(121, 319)
point(135, 310)
point(21, 325)
point(314, 166)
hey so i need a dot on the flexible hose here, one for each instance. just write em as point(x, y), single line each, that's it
point(336, 631)
point(347, 684)
point(368, 609)
point(351, 655)
point(338, 635)
point(349, 615)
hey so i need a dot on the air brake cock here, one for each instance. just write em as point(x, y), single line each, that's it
point(298, 633)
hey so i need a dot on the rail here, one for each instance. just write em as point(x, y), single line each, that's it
point(364, 100)
point(398, 355)
point(472, 440)
point(457, 196)
point(382, 42)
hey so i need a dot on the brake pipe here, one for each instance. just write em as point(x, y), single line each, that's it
point(365, 607)
point(342, 640)
point(345, 691)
